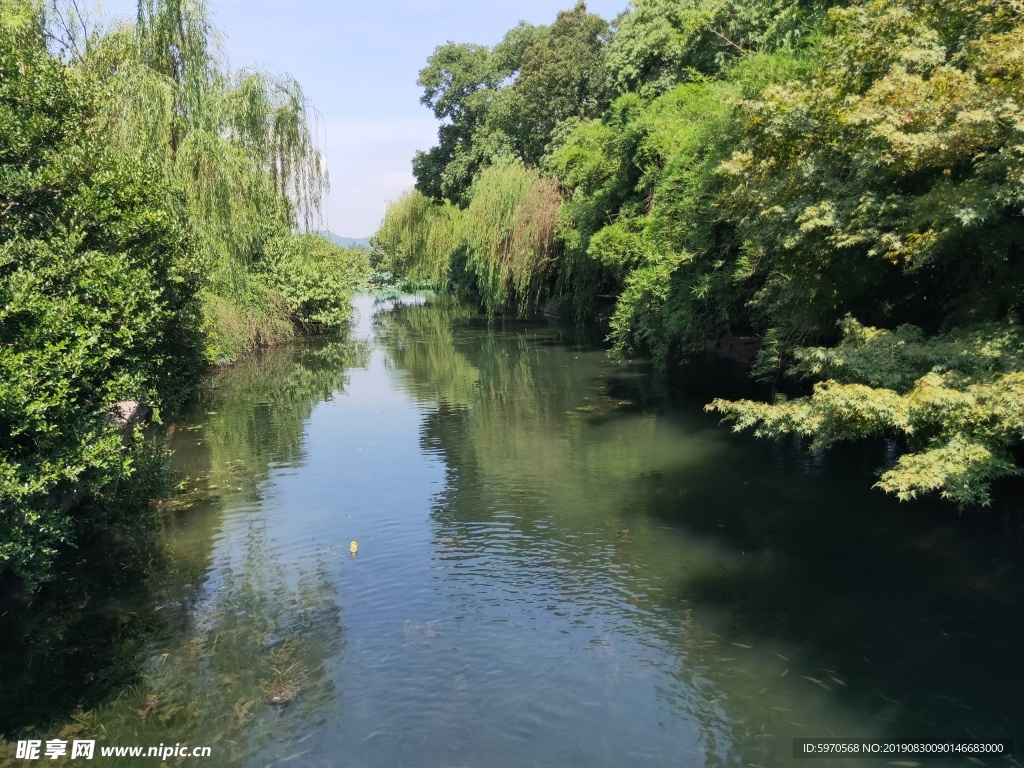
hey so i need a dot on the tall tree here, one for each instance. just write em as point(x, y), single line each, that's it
point(561, 77)
point(887, 187)
point(238, 145)
point(505, 103)
point(466, 87)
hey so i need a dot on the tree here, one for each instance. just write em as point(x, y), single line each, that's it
point(503, 104)
point(99, 281)
point(886, 187)
point(662, 43)
point(561, 77)
point(501, 247)
point(239, 146)
point(466, 87)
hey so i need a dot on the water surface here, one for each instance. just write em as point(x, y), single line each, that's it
point(561, 562)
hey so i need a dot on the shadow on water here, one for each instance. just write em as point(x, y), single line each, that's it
point(796, 601)
point(191, 627)
point(78, 640)
point(904, 611)
point(908, 612)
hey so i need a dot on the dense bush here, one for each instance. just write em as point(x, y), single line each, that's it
point(98, 301)
point(315, 278)
point(886, 185)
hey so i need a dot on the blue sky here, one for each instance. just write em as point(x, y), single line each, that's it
point(358, 62)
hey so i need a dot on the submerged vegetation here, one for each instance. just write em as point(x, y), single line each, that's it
point(150, 201)
point(841, 180)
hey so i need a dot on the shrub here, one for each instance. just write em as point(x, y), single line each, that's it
point(315, 278)
point(98, 302)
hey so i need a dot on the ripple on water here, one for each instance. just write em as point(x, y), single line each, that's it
point(555, 568)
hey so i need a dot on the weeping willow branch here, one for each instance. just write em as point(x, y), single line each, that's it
point(506, 236)
point(509, 230)
point(237, 148)
point(66, 27)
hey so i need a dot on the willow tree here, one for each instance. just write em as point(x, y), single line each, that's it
point(419, 237)
point(509, 232)
point(236, 147)
point(501, 248)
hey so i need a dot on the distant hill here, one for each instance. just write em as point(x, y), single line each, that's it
point(347, 242)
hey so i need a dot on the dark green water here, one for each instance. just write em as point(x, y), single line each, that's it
point(561, 562)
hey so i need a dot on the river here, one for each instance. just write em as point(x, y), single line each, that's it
point(560, 561)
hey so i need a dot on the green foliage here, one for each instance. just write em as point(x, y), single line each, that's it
point(243, 317)
point(643, 211)
point(98, 283)
point(561, 77)
point(237, 145)
point(500, 248)
point(147, 200)
point(504, 103)
point(884, 185)
point(302, 283)
point(662, 43)
point(462, 87)
point(956, 401)
point(315, 278)
point(591, 160)
point(508, 230)
point(417, 238)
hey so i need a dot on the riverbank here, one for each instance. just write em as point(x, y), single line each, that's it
point(562, 562)
point(732, 173)
point(153, 200)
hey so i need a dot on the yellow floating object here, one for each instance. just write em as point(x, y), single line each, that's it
point(354, 547)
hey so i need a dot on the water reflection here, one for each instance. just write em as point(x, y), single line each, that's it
point(773, 594)
point(216, 636)
point(253, 415)
point(561, 562)
point(77, 641)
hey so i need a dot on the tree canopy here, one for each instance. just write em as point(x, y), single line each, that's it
point(839, 179)
point(504, 102)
